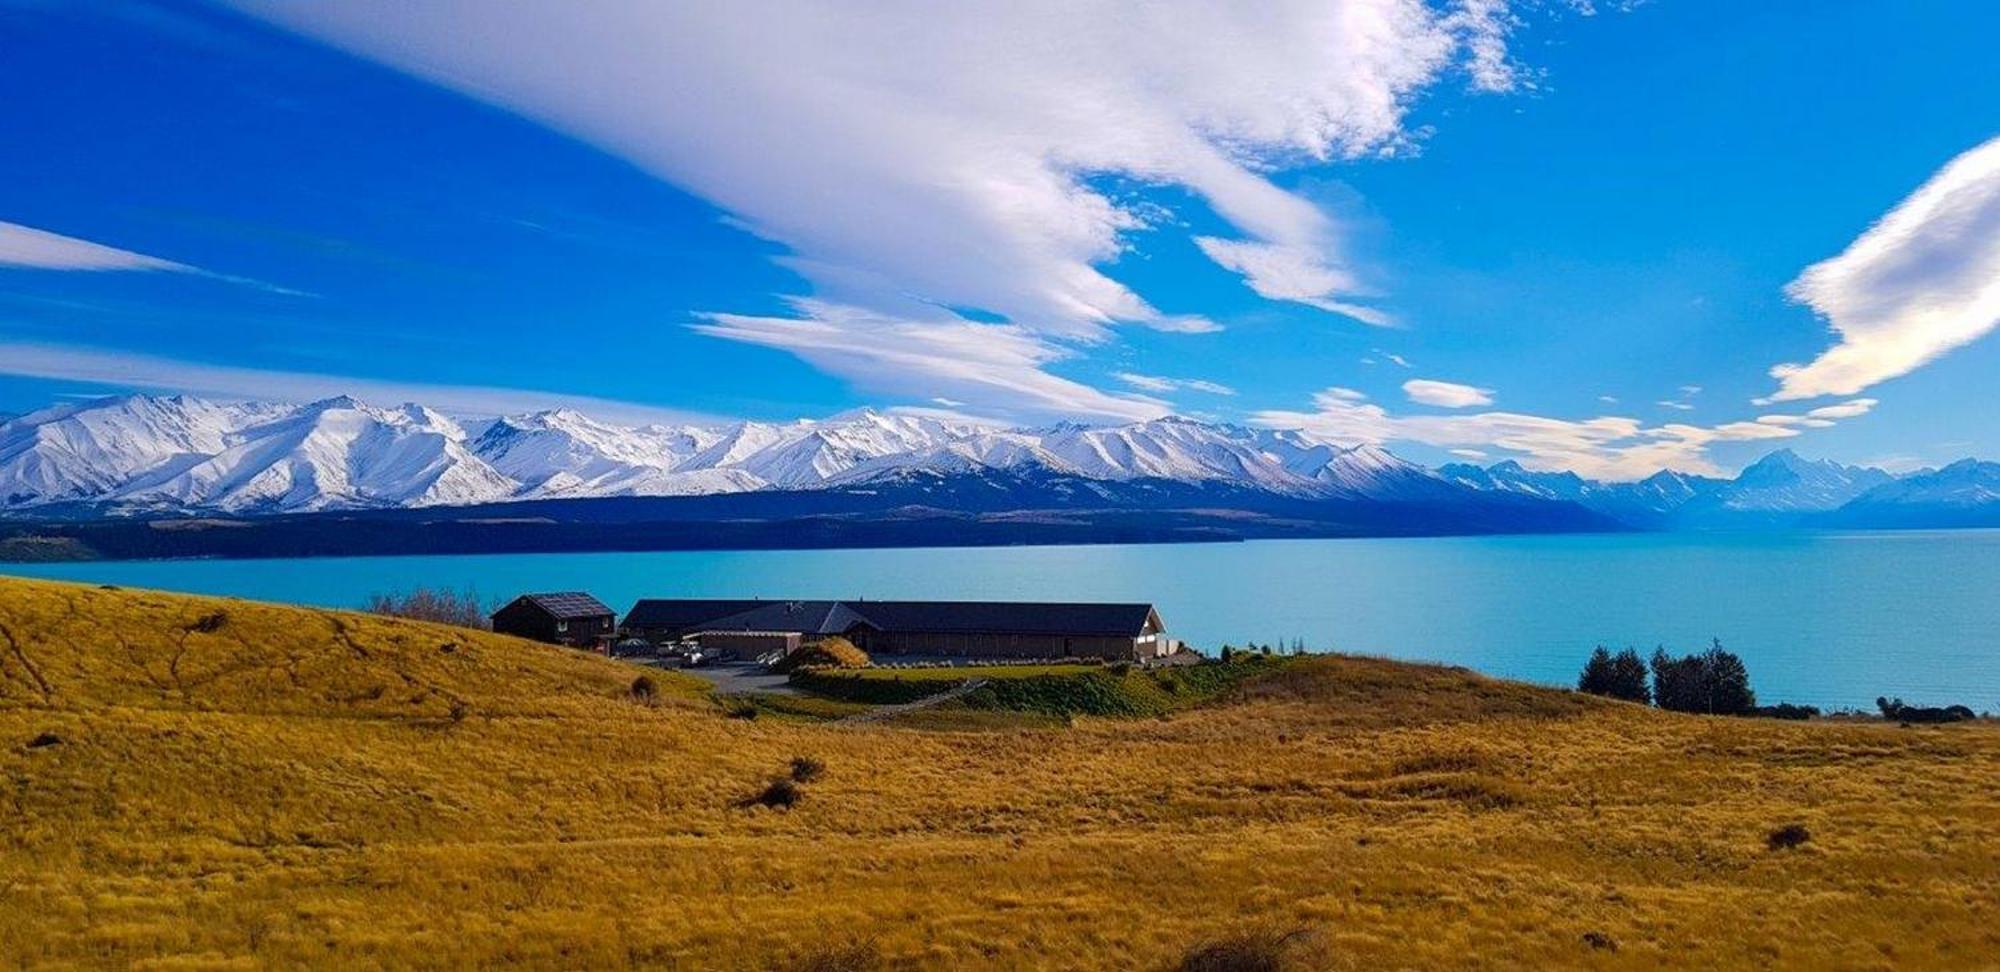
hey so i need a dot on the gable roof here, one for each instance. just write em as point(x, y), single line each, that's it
point(1009, 617)
point(567, 604)
point(687, 612)
point(805, 617)
point(834, 617)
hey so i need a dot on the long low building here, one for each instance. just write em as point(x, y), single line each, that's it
point(961, 629)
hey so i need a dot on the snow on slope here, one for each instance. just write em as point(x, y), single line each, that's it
point(87, 449)
point(331, 454)
point(187, 453)
point(190, 454)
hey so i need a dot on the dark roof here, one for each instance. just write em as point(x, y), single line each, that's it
point(568, 604)
point(685, 612)
point(1008, 617)
point(832, 617)
point(805, 617)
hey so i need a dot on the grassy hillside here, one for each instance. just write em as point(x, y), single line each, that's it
point(285, 787)
point(1049, 690)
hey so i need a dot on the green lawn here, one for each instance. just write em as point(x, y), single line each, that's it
point(1060, 690)
point(969, 672)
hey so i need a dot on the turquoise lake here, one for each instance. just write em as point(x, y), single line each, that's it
point(1826, 619)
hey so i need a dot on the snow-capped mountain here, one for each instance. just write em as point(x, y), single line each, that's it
point(86, 450)
point(1780, 487)
point(1172, 449)
point(140, 452)
point(331, 454)
point(1650, 502)
point(184, 454)
point(1963, 494)
point(1784, 481)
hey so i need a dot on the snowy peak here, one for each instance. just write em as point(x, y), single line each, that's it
point(84, 450)
point(1784, 482)
point(331, 454)
point(1777, 488)
point(184, 453)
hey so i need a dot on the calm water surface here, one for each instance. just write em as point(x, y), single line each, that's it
point(1826, 619)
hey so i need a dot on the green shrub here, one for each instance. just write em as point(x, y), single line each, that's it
point(1896, 710)
point(645, 690)
point(779, 794)
point(1258, 951)
point(830, 652)
point(1788, 837)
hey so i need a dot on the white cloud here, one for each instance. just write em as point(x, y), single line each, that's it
point(1161, 385)
point(1396, 359)
point(1848, 409)
point(993, 368)
point(1446, 394)
point(916, 155)
point(1294, 273)
point(1151, 383)
point(1470, 453)
point(1677, 406)
point(1606, 447)
point(120, 370)
point(1919, 283)
point(34, 249)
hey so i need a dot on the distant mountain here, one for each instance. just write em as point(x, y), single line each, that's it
point(86, 451)
point(143, 454)
point(1781, 486)
point(1780, 489)
point(177, 455)
point(1963, 494)
point(1650, 503)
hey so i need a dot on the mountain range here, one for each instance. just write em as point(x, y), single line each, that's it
point(150, 455)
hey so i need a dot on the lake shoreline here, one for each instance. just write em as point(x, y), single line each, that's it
point(1832, 620)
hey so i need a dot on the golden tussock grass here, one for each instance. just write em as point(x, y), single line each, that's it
point(243, 784)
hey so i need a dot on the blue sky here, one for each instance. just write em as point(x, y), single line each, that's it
point(1577, 238)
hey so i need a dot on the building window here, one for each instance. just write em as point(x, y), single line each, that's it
point(562, 626)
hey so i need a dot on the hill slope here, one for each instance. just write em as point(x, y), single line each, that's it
point(288, 788)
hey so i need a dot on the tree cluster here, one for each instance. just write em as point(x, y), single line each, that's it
point(1715, 681)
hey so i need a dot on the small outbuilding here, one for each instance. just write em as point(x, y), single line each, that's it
point(570, 618)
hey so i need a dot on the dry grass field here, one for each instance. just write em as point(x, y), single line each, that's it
point(199, 783)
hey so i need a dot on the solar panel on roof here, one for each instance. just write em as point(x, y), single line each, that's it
point(570, 604)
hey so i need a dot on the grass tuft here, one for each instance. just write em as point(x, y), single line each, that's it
point(1788, 837)
point(1258, 951)
point(806, 769)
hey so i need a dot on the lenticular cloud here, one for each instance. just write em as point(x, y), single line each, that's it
point(1923, 281)
point(917, 156)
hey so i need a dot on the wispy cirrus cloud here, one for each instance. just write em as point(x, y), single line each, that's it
point(37, 249)
point(28, 248)
point(1921, 282)
point(1161, 385)
point(994, 369)
point(1605, 447)
point(914, 156)
point(124, 370)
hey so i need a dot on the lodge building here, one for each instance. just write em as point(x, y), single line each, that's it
point(949, 629)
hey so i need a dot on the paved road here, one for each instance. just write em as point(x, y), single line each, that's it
point(733, 678)
point(892, 711)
